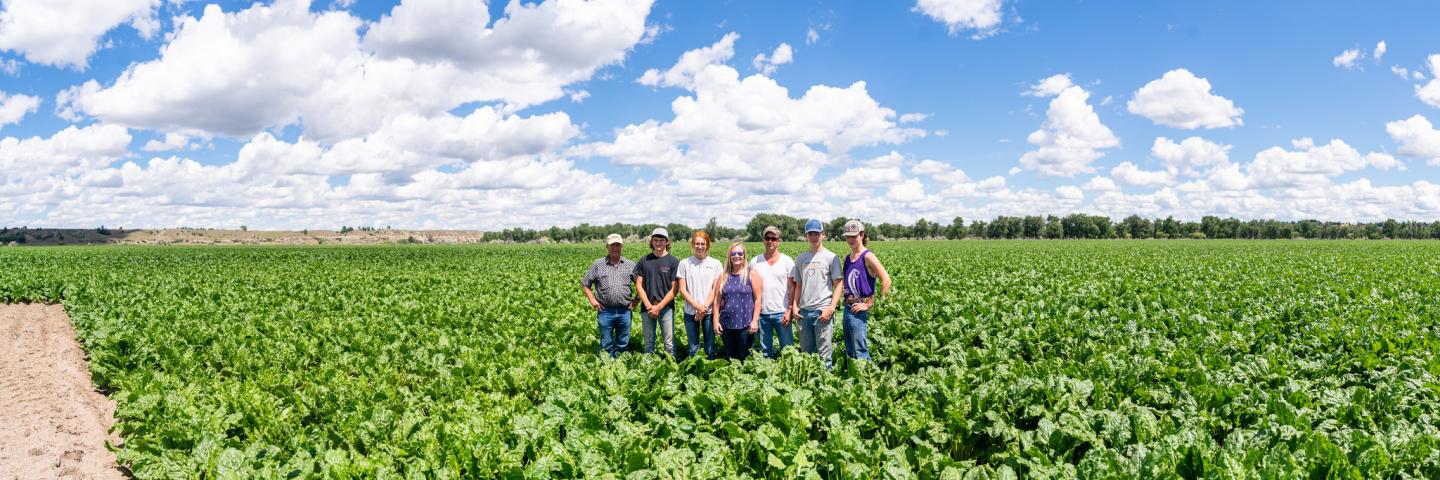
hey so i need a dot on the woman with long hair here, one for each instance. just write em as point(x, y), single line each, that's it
point(862, 268)
point(735, 316)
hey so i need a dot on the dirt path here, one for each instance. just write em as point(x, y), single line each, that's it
point(53, 424)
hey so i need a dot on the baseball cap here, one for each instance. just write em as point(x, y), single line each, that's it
point(853, 228)
point(769, 230)
point(614, 238)
point(814, 226)
point(660, 232)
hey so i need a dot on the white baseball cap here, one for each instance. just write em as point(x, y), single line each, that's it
point(614, 238)
point(660, 232)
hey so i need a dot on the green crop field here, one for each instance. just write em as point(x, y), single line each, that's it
point(1061, 359)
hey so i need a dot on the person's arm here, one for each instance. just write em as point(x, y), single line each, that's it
point(669, 296)
point(718, 294)
point(873, 262)
point(835, 299)
point(794, 304)
point(585, 282)
point(595, 304)
point(682, 287)
point(789, 295)
point(758, 287)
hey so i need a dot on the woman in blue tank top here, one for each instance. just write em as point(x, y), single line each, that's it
point(738, 292)
point(862, 268)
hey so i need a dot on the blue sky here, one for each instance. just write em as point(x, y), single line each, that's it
point(445, 114)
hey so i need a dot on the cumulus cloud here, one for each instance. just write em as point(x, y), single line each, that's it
point(1180, 99)
point(1347, 59)
point(914, 117)
point(13, 108)
point(751, 129)
point(171, 142)
point(940, 172)
point(783, 54)
point(682, 74)
point(1417, 138)
point(1190, 157)
point(238, 73)
point(1310, 165)
point(1071, 136)
point(1130, 174)
point(983, 17)
point(1379, 51)
point(66, 32)
point(1430, 92)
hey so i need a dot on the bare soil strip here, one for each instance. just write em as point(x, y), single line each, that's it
point(53, 423)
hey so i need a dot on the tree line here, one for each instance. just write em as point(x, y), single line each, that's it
point(1073, 226)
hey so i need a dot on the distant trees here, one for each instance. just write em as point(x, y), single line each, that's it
point(1071, 226)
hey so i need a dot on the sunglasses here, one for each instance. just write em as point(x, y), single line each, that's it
point(737, 254)
point(772, 239)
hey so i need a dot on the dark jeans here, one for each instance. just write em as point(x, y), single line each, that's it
point(737, 343)
point(614, 330)
point(695, 328)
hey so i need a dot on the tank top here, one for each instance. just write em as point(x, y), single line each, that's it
point(858, 282)
point(739, 303)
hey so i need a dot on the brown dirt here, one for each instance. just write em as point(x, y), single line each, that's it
point(53, 423)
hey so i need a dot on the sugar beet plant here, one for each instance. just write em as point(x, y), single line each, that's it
point(993, 360)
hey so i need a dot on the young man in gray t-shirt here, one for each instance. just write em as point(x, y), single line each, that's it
point(815, 291)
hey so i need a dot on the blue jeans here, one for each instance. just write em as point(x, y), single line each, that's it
point(770, 323)
point(666, 322)
point(696, 328)
point(614, 330)
point(815, 335)
point(855, 324)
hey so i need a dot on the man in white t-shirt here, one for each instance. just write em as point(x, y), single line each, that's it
point(775, 269)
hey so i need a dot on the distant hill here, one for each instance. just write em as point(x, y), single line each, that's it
point(205, 236)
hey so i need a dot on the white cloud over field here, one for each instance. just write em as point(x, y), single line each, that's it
point(443, 114)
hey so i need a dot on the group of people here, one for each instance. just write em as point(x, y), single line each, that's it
point(741, 297)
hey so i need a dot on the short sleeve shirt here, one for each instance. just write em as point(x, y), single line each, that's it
point(815, 273)
point(699, 278)
point(659, 273)
point(611, 282)
point(775, 293)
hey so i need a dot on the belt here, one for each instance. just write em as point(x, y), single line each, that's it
point(855, 300)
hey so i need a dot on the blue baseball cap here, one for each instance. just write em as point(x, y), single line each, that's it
point(814, 226)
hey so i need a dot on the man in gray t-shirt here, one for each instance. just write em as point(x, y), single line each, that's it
point(815, 290)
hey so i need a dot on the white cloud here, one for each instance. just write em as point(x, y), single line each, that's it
point(1417, 138)
point(171, 142)
point(1071, 136)
point(1379, 51)
point(13, 108)
point(811, 36)
point(70, 152)
point(1347, 59)
point(1129, 174)
point(1402, 72)
point(1190, 157)
point(906, 191)
point(238, 73)
point(682, 74)
point(1309, 165)
point(782, 55)
point(67, 32)
point(914, 117)
point(1100, 184)
point(940, 172)
point(1050, 86)
point(1430, 92)
point(981, 16)
point(1180, 99)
